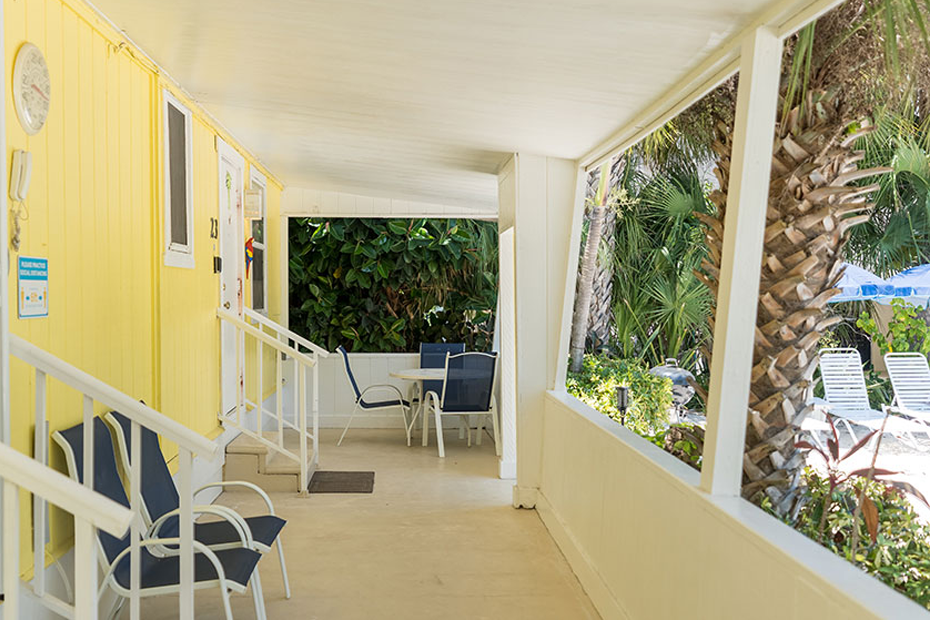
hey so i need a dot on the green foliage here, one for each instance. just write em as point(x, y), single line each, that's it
point(900, 552)
point(683, 441)
point(386, 285)
point(906, 331)
point(660, 307)
point(650, 397)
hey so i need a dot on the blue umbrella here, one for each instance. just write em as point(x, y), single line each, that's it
point(913, 285)
point(857, 284)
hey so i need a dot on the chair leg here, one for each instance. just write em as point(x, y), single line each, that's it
point(408, 428)
point(287, 584)
point(439, 440)
point(117, 607)
point(479, 428)
point(226, 606)
point(346, 429)
point(257, 596)
point(424, 433)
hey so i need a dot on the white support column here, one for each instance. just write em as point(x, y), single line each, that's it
point(186, 534)
point(741, 263)
point(539, 207)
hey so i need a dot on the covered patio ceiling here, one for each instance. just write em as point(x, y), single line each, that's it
point(424, 99)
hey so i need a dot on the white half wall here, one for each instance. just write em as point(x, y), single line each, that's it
point(646, 542)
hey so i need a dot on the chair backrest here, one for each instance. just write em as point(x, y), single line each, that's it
point(469, 382)
point(106, 474)
point(910, 378)
point(159, 495)
point(433, 355)
point(345, 360)
point(843, 380)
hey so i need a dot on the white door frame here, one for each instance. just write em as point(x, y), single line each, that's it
point(230, 261)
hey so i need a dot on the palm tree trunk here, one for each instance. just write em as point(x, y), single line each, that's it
point(585, 287)
point(809, 211)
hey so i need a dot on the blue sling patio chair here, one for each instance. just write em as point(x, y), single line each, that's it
point(396, 399)
point(432, 355)
point(467, 390)
point(231, 569)
point(161, 503)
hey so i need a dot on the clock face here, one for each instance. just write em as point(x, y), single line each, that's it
point(32, 88)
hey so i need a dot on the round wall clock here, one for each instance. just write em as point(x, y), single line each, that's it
point(32, 88)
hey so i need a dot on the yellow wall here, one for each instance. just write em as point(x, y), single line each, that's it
point(95, 211)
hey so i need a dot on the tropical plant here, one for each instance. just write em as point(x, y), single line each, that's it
point(386, 285)
point(660, 305)
point(598, 206)
point(650, 397)
point(906, 330)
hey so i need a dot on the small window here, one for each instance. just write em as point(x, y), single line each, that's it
point(179, 244)
point(258, 230)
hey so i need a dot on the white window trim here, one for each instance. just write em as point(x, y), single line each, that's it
point(177, 255)
point(256, 178)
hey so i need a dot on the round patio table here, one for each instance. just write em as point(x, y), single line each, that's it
point(419, 375)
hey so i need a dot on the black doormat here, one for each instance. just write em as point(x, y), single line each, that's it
point(342, 482)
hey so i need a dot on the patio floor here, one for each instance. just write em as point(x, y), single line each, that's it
point(436, 539)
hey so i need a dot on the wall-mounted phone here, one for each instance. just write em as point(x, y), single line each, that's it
point(21, 175)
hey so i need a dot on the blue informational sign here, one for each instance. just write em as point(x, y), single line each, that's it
point(33, 287)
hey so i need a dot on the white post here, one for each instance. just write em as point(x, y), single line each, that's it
point(259, 388)
point(741, 263)
point(316, 409)
point(38, 502)
point(135, 504)
point(85, 570)
point(4, 288)
point(186, 533)
point(296, 391)
point(88, 432)
point(302, 380)
point(279, 396)
point(10, 561)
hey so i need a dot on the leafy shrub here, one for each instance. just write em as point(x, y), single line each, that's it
point(649, 397)
point(683, 441)
point(899, 555)
point(387, 285)
point(906, 331)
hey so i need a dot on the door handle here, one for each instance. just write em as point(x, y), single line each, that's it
point(226, 305)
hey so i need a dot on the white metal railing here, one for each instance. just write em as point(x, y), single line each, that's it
point(90, 509)
point(189, 444)
point(266, 333)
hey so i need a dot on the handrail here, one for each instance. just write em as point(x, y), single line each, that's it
point(264, 320)
point(265, 338)
point(111, 397)
point(101, 511)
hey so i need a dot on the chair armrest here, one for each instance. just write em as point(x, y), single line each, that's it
point(432, 397)
point(242, 484)
point(164, 543)
point(384, 386)
point(227, 514)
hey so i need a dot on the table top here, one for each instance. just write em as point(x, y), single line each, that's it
point(419, 374)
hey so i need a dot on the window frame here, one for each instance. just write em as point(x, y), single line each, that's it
point(257, 180)
point(177, 254)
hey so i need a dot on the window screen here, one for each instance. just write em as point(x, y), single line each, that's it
point(177, 164)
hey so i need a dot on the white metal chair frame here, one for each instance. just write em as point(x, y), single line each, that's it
point(847, 398)
point(360, 401)
point(910, 379)
point(433, 402)
point(166, 547)
point(224, 512)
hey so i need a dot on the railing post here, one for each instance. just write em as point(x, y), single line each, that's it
point(88, 441)
point(38, 502)
point(302, 380)
point(85, 570)
point(260, 381)
point(135, 504)
point(10, 539)
point(186, 533)
point(296, 399)
point(316, 409)
point(279, 396)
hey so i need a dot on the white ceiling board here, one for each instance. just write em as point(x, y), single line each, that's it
point(423, 99)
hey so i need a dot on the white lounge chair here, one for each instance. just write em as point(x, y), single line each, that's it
point(847, 399)
point(910, 378)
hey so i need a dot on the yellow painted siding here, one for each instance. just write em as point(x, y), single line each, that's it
point(95, 211)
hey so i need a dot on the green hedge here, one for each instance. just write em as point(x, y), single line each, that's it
point(385, 285)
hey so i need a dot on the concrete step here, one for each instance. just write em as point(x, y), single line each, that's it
point(248, 459)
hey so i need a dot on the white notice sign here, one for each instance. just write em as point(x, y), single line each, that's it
point(33, 287)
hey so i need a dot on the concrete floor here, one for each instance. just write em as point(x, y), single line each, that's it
point(436, 539)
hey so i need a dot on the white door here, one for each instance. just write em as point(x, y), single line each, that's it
point(232, 253)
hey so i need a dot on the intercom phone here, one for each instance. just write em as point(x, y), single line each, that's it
point(21, 175)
